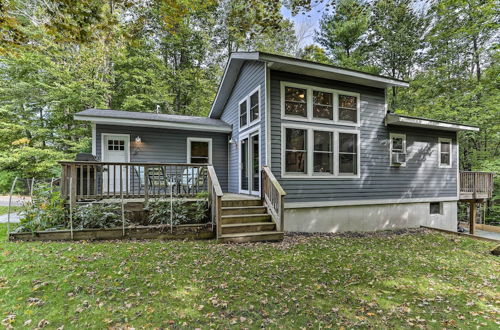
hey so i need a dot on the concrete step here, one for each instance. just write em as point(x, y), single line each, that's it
point(245, 218)
point(241, 202)
point(252, 237)
point(235, 228)
point(235, 210)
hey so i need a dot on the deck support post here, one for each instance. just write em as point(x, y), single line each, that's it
point(472, 217)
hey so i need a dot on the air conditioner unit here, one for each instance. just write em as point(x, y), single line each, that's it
point(398, 158)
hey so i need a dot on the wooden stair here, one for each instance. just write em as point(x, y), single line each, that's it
point(247, 220)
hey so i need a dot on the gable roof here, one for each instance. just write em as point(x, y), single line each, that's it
point(144, 119)
point(294, 65)
point(408, 121)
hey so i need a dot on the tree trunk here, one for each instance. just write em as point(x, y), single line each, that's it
point(476, 59)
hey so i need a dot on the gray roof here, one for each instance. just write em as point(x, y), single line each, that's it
point(97, 114)
point(293, 65)
point(402, 120)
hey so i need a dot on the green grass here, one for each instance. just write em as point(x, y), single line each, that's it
point(418, 279)
point(5, 209)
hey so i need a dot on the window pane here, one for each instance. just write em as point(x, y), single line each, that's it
point(295, 161)
point(445, 158)
point(348, 107)
point(322, 98)
point(397, 144)
point(295, 139)
point(322, 141)
point(254, 106)
point(323, 162)
point(199, 149)
point(243, 114)
point(348, 115)
point(348, 164)
point(445, 147)
point(435, 208)
point(295, 101)
point(322, 105)
point(347, 142)
point(199, 160)
point(347, 101)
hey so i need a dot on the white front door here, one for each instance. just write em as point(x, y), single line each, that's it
point(115, 149)
point(249, 164)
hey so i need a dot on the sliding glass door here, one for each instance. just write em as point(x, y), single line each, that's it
point(250, 165)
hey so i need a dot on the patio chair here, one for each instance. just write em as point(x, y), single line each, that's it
point(193, 180)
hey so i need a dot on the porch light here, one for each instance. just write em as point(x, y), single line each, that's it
point(138, 139)
point(232, 141)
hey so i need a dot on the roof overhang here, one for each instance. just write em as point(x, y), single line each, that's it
point(152, 123)
point(407, 121)
point(293, 65)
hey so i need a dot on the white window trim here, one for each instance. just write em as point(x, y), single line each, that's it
point(405, 149)
point(127, 144)
point(197, 139)
point(242, 136)
point(247, 100)
point(439, 153)
point(310, 153)
point(309, 111)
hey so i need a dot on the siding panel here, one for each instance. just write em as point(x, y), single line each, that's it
point(421, 178)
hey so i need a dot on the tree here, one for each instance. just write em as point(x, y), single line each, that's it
point(343, 33)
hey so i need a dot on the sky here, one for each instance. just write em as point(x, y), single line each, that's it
point(305, 24)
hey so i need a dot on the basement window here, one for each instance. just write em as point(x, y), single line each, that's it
point(436, 208)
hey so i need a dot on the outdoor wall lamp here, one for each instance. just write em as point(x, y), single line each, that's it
point(138, 139)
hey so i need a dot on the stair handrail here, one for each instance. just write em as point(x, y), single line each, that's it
point(273, 196)
point(214, 200)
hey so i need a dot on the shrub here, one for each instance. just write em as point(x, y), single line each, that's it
point(98, 215)
point(45, 210)
point(183, 212)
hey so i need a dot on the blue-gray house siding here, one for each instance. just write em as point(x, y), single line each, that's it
point(168, 146)
point(251, 76)
point(420, 178)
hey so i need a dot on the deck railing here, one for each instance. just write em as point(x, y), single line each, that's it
point(273, 196)
point(108, 180)
point(215, 200)
point(476, 185)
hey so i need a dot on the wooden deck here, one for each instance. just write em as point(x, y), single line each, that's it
point(476, 186)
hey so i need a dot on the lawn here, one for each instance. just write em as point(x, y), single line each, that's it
point(413, 279)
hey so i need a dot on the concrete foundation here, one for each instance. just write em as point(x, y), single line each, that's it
point(334, 219)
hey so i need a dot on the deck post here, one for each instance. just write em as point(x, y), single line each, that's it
point(472, 218)
point(73, 186)
point(146, 184)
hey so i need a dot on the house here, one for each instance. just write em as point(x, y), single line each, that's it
point(324, 135)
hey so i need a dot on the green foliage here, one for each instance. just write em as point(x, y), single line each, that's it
point(29, 162)
point(183, 212)
point(6, 180)
point(98, 215)
point(44, 212)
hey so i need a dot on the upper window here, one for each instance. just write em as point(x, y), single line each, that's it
point(295, 101)
point(348, 108)
point(310, 151)
point(322, 105)
point(316, 104)
point(444, 152)
point(295, 150)
point(250, 108)
point(398, 149)
point(199, 151)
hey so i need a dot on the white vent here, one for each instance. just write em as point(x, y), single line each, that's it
point(398, 158)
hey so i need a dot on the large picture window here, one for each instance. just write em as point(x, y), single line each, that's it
point(319, 152)
point(250, 108)
point(318, 104)
point(295, 150)
point(348, 150)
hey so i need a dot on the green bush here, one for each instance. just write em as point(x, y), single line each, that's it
point(45, 210)
point(183, 212)
point(98, 215)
